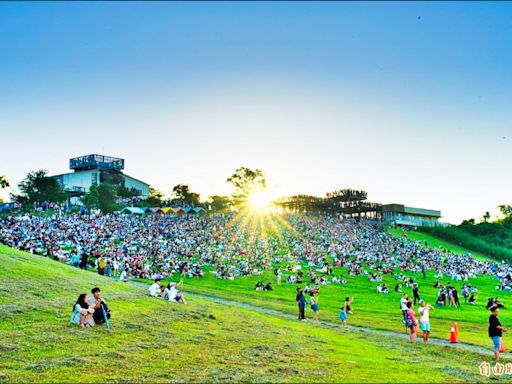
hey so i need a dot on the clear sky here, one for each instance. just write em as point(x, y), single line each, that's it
point(409, 101)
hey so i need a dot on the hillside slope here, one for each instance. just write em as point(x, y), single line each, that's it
point(152, 340)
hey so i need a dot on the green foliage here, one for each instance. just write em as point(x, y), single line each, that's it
point(219, 203)
point(491, 239)
point(4, 183)
point(37, 187)
point(506, 210)
point(91, 199)
point(245, 181)
point(107, 196)
point(182, 193)
point(155, 198)
point(103, 197)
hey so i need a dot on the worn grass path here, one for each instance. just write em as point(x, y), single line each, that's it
point(348, 327)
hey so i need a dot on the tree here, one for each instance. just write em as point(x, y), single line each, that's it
point(4, 183)
point(246, 181)
point(103, 197)
point(182, 193)
point(107, 196)
point(155, 198)
point(506, 210)
point(486, 217)
point(219, 203)
point(37, 187)
point(91, 199)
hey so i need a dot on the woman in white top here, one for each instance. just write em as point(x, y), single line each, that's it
point(424, 310)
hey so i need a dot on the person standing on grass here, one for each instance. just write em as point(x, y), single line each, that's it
point(413, 322)
point(403, 305)
point(425, 319)
point(416, 293)
point(301, 301)
point(496, 331)
point(314, 306)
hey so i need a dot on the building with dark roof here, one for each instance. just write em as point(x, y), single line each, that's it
point(94, 169)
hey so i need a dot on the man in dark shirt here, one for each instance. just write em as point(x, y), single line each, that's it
point(495, 331)
point(416, 293)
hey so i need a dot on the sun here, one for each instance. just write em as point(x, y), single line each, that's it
point(259, 200)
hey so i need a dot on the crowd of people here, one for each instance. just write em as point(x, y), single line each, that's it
point(160, 245)
point(298, 247)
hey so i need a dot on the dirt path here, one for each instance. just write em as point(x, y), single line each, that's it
point(352, 328)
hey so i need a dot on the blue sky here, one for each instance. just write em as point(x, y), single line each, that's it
point(410, 101)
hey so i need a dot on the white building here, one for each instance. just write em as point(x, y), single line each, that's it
point(93, 170)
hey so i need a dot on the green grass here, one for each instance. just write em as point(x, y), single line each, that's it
point(371, 309)
point(155, 341)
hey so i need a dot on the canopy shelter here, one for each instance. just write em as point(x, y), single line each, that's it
point(156, 210)
point(180, 211)
point(168, 210)
point(199, 210)
point(133, 210)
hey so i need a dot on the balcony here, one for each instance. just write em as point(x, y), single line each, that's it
point(95, 162)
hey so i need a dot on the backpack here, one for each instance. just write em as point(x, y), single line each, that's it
point(102, 264)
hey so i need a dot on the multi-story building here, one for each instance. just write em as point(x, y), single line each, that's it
point(93, 170)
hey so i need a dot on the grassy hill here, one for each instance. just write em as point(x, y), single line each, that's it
point(152, 340)
point(372, 310)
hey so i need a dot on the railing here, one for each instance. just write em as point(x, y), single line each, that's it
point(92, 161)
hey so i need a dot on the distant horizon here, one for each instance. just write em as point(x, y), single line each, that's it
point(409, 101)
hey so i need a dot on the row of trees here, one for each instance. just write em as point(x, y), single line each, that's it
point(492, 238)
point(37, 187)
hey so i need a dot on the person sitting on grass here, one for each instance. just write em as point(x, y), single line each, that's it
point(99, 305)
point(259, 286)
point(154, 289)
point(472, 299)
point(268, 287)
point(124, 276)
point(171, 293)
point(82, 315)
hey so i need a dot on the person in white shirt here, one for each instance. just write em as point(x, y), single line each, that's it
point(171, 293)
point(403, 305)
point(124, 276)
point(154, 289)
point(424, 310)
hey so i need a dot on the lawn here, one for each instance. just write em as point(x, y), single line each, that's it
point(155, 341)
point(371, 309)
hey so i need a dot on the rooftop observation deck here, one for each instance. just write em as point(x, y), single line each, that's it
point(96, 161)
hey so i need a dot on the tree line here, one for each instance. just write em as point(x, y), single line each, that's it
point(110, 194)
